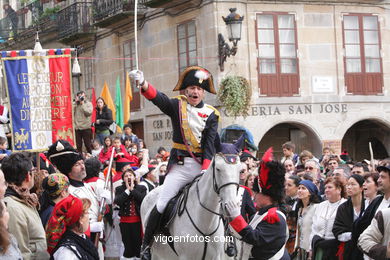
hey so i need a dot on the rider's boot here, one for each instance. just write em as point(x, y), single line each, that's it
point(150, 230)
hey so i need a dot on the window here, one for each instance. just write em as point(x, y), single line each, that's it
point(277, 54)
point(88, 73)
point(186, 38)
point(363, 64)
point(129, 65)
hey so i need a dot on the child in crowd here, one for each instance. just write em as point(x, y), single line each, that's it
point(121, 155)
point(96, 148)
point(288, 152)
point(4, 148)
point(105, 153)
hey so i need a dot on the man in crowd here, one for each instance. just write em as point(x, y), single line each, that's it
point(69, 162)
point(82, 122)
point(24, 223)
point(342, 173)
point(195, 126)
point(149, 179)
point(359, 168)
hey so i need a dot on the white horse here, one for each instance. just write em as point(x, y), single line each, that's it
point(201, 216)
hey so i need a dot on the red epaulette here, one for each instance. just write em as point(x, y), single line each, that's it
point(272, 216)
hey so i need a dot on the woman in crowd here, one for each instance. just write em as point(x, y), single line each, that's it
point(323, 242)
point(105, 153)
point(8, 244)
point(347, 213)
point(128, 197)
point(55, 188)
point(249, 180)
point(103, 120)
point(370, 187)
point(307, 200)
point(66, 229)
point(291, 188)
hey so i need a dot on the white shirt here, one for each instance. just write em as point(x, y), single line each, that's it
point(384, 204)
point(324, 218)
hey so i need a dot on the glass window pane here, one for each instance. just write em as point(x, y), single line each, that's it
point(288, 65)
point(352, 37)
point(371, 51)
point(191, 43)
point(352, 51)
point(286, 36)
point(353, 65)
point(127, 64)
point(370, 22)
point(351, 22)
point(126, 49)
point(266, 51)
point(193, 59)
point(183, 60)
point(371, 37)
point(267, 67)
point(191, 28)
point(287, 51)
point(181, 32)
point(265, 36)
point(286, 21)
point(265, 21)
point(182, 46)
point(373, 65)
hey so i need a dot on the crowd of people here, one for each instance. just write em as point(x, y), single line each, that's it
point(62, 204)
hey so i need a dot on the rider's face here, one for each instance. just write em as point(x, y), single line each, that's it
point(194, 94)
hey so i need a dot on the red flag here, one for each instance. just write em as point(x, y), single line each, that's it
point(93, 100)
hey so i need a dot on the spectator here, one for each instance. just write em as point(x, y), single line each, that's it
point(142, 144)
point(163, 154)
point(82, 109)
point(333, 162)
point(96, 148)
point(69, 162)
point(376, 238)
point(288, 152)
point(55, 188)
point(342, 173)
point(243, 173)
point(326, 152)
point(103, 120)
point(66, 231)
point(13, 19)
point(3, 185)
point(8, 245)
point(129, 197)
point(149, 179)
point(127, 143)
point(161, 170)
point(289, 167)
point(312, 168)
point(304, 156)
point(249, 180)
point(4, 148)
point(249, 159)
point(4, 120)
point(347, 213)
point(291, 188)
point(105, 153)
point(25, 223)
point(133, 150)
point(322, 240)
point(128, 132)
point(307, 202)
point(121, 155)
point(370, 187)
point(359, 168)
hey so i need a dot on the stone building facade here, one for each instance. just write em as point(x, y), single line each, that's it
point(319, 70)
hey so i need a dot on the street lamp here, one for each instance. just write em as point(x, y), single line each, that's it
point(234, 23)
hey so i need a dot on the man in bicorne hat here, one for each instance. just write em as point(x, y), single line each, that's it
point(266, 235)
point(194, 126)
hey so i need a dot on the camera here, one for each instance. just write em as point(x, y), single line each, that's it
point(81, 98)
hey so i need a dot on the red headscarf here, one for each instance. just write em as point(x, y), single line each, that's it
point(65, 213)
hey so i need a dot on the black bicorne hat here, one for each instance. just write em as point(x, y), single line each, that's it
point(196, 76)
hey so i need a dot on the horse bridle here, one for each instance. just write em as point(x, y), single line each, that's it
point(230, 159)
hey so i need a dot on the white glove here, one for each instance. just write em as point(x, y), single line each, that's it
point(233, 209)
point(96, 227)
point(107, 195)
point(137, 75)
point(203, 171)
point(344, 237)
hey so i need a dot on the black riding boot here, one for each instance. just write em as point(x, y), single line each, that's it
point(150, 230)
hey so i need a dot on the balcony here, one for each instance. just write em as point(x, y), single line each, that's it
point(110, 13)
point(173, 7)
point(75, 24)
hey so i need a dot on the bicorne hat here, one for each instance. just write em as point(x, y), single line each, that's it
point(196, 76)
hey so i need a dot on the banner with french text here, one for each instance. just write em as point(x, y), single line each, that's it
point(40, 98)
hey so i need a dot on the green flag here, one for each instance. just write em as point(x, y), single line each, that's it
point(118, 104)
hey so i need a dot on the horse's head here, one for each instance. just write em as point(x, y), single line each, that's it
point(226, 168)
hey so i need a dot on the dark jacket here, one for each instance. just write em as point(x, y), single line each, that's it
point(123, 200)
point(105, 119)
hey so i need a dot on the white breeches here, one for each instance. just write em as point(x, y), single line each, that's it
point(177, 178)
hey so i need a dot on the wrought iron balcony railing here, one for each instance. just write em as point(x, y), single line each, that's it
point(75, 21)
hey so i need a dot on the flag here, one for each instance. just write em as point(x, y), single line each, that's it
point(118, 105)
point(40, 98)
point(128, 99)
point(108, 99)
point(93, 101)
